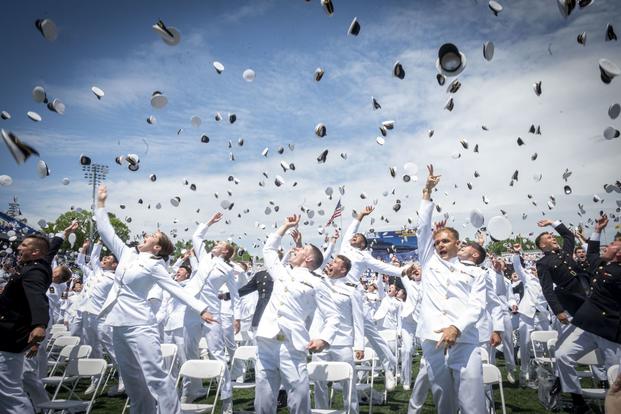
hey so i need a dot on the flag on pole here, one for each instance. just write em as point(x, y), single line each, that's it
point(338, 210)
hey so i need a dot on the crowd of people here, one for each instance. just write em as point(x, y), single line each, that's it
point(457, 303)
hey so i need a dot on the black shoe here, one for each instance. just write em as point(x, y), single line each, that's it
point(282, 399)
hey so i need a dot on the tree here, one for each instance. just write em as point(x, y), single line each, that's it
point(83, 216)
point(241, 255)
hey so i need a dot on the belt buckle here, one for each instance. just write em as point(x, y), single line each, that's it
point(573, 273)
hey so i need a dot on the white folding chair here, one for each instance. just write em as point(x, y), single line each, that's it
point(331, 371)
point(367, 365)
point(169, 355)
point(244, 354)
point(80, 368)
point(590, 359)
point(58, 344)
point(613, 372)
point(202, 369)
point(484, 356)
point(491, 376)
point(539, 340)
point(70, 354)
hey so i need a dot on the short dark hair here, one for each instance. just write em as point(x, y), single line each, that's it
point(345, 261)
point(538, 238)
point(65, 273)
point(366, 242)
point(317, 256)
point(578, 248)
point(451, 230)
point(482, 254)
point(41, 243)
point(167, 247)
point(187, 268)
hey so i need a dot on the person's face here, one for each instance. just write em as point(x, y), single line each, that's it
point(371, 288)
point(612, 251)
point(181, 275)
point(468, 253)
point(401, 294)
point(335, 269)
point(27, 251)
point(77, 287)
point(514, 277)
point(392, 290)
point(548, 242)
point(580, 255)
point(219, 249)
point(150, 243)
point(57, 275)
point(416, 272)
point(108, 263)
point(357, 241)
point(446, 244)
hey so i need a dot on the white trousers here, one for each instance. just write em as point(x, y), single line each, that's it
point(215, 344)
point(539, 322)
point(322, 397)
point(574, 346)
point(279, 362)
point(142, 368)
point(379, 345)
point(420, 389)
point(408, 345)
point(13, 399)
point(507, 345)
point(31, 377)
point(456, 377)
point(90, 334)
point(228, 334)
point(175, 336)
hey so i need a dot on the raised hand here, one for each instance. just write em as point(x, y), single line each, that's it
point(297, 237)
point(439, 224)
point(432, 180)
point(102, 195)
point(517, 248)
point(335, 236)
point(292, 221)
point(215, 218)
point(72, 227)
point(544, 223)
point(601, 223)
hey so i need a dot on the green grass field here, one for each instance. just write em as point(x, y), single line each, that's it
point(518, 400)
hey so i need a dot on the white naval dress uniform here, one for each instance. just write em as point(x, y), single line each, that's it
point(361, 261)
point(349, 337)
point(174, 312)
point(453, 294)
point(213, 272)
point(282, 335)
point(504, 291)
point(533, 311)
point(135, 336)
point(409, 319)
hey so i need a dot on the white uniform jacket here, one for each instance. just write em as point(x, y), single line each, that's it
point(297, 293)
point(453, 293)
point(135, 275)
point(533, 299)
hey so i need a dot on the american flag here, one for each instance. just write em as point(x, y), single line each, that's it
point(337, 212)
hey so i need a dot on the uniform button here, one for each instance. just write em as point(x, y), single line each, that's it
point(604, 313)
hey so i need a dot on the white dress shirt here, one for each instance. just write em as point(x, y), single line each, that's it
point(348, 300)
point(135, 275)
point(453, 293)
point(361, 260)
point(297, 293)
point(533, 299)
point(492, 317)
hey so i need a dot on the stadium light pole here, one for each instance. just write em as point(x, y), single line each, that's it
point(95, 174)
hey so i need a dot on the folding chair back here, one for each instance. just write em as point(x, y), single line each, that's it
point(169, 355)
point(491, 376)
point(484, 356)
point(537, 339)
point(331, 371)
point(204, 370)
point(592, 358)
point(203, 348)
point(245, 353)
point(63, 341)
point(84, 368)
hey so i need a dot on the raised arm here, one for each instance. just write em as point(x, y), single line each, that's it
point(569, 240)
point(199, 236)
point(517, 265)
point(95, 255)
point(105, 229)
point(594, 241)
point(353, 227)
point(270, 251)
point(425, 212)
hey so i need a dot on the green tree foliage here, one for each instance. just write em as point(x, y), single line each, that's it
point(241, 255)
point(83, 216)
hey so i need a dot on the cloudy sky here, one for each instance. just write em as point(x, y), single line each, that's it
point(115, 49)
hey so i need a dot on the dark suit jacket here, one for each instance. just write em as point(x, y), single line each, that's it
point(261, 282)
point(600, 314)
point(559, 268)
point(24, 304)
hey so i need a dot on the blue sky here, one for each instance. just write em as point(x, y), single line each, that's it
point(111, 45)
